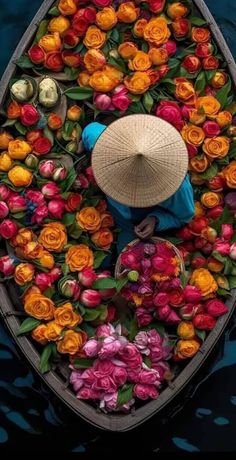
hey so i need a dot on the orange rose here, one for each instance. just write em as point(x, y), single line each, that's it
point(102, 238)
point(18, 149)
point(127, 12)
point(199, 211)
point(32, 290)
point(186, 330)
point(39, 306)
point(229, 173)
point(71, 343)
point(202, 279)
point(24, 273)
point(209, 234)
point(106, 18)
point(196, 118)
point(187, 348)
point(13, 110)
point(32, 250)
point(156, 31)
point(53, 331)
point(127, 50)
point(50, 42)
point(5, 138)
point(107, 220)
point(177, 10)
point(138, 83)
point(94, 38)
point(219, 79)
point(210, 199)
point(216, 147)
point(158, 56)
point(104, 81)
point(67, 7)
point(79, 257)
point(140, 62)
point(65, 316)
point(24, 236)
point(38, 334)
point(59, 24)
point(193, 134)
point(214, 265)
point(184, 91)
point(5, 162)
point(53, 236)
point(209, 105)
point(199, 163)
point(74, 113)
point(139, 27)
point(224, 118)
point(20, 177)
point(94, 60)
point(200, 35)
point(54, 121)
point(89, 219)
point(196, 179)
point(113, 73)
point(137, 299)
point(83, 78)
point(46, 260)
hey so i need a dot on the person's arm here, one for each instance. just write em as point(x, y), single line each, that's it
point(91, 133)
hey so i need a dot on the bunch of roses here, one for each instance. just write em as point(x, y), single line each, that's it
point(118, 367)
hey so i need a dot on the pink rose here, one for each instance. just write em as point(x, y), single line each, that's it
point(232, 253)
point(76, 379)
point(81, 182)
point(87, 277)
point(102, 102)
point(4, 211)
point(106, 384)
point(50, 190)
point(149, 377)
point(105, 330)
point(121, 101)
point(145, 391)
point(56, 208)
point(170, 111)
point(39, 214)
point(192, 150)
point(159, 263)
point(88, 393)
point(170, 47)
point(154, 339)
point(163, 312)
point(223, 247)
point(227, 231)
point(192, 294)
point(131, 356)
point(90, 175)
point(216, 308)
point(46, 168)
point(7, 266)
point(5, 192)
point(143, 317)
point(89, 377)
point(43, 281)
point(91, 348)
point(8, 229)
point(119, 375)
point(102, 3)
point(211, 128)
point(161, 299)
point(29, 115)
point(35, 197)
point(173, 318)
point(156, 6)
point(130, 260)
point(109, 401)
point(109, 348)
point(17, 203)
point(103, 368)
point(90, 298)
point(161, 367)
point(141, 342)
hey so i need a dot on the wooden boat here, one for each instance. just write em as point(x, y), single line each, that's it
point(11, 309)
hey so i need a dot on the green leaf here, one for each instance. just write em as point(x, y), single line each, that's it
point(121, 283)
point(48, 134)
point(28, 325)
point(68, 219)
point(144, 47)
point(115, 36)
point(83, 363)
point(196, 21)
point(185, 51)
point(133, 329)
point(147, 361)
point(104, 283)
point(136, 107)
point(19, 215)
point(118, 63)
point(86, 327)
point(67, 183)
point(8, 122)
point(99, 257)
point(49, 292)
point(232, 282)
point(223, 293)
point(54, 11)
point(20, 128)
point(222, 94)
point(148, 101)
point(65, 269)
point(72, 73)
point(201, 334)
point(228, 266)
point(209, 75)
point(74, 231)
point(232, 150)
point(219, 257)
point(44, 365)
point(79, 93)
point(200, 82)
point(183, 279)
point(43, 26)
point(210, 172)
point(24, 62)
point(125, 394)
point(103, 312)
point(91, 314)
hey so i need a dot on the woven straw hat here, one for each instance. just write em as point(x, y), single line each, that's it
point(139, 160)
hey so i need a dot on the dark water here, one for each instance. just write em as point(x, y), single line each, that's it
point(32, 420)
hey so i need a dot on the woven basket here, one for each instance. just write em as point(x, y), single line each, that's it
point(154, 239)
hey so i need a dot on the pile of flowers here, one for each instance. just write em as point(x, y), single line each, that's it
point(115, 57)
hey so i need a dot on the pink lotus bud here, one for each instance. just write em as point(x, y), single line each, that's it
point(223, 247)
point(216, 308)
point(43, 281)
point(102, 102)
point(170, 47)
point(39, 214)
point(7, 266)
point(50, 189)
point(232, 253)
point(3, 210)
point(17, 203)
point(173, 318)
point(69, 288)
point(227, 231)
point(90, 298)
point(211, 128)
point(92, 347)
point(161, 299)
point(87, 277)
point(59, 174)
point(192, 294)
point(8, 229)
point(5, 192)
point(121, 101)
point(56, 208)
point(163, 312)
point(47, 168)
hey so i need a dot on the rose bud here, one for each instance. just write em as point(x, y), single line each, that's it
point(55, 274)
point(198, 262)
point(163, 312)
point(111, 313)
point(74, 113)
point(56, 208)
point(223, 247)
point(232, 253)
point(71, 59)
point(4, 211)
point(13, 110)
point(87, 277)
point(50, 190)
point(199, 242)
point(198, 224)
point(207, 249)
point(8, 229)
point(143, 317)
point(43, 281)
point(69, 287)
point(133, 275)
point(70, 38)
point(204, 50)
point(210, 234)
point(17, 203)
point(156, 6)
point(214, 265)
point(7, 265)
point(72, 147)
point(33, 135)
point(211, 128)
point(227, 231)
point(29, 115)
point(54, 121)
point(5, 192)
point(191, 63)
point(40, 213)
point(81, 182)
point(216, 184)
point(185, 233)
point(73, 202)
point(90, 298)
point(31, 161)
point(37, 54)
point(22, 90)
point(210, 63)
point(42, 146)
point(54, 62)
point(121, 101)
point(192, 294)
point(192, 151)
point(188, 311)
point(48, 93)
point(215, 213)
point(59, 174)
point(173, 318)
point(161, 299)
point(46, 168)
point(181, 27)
point(102, 102)
point(204, 321)
point(171, 47)
point(35, 196)
point(216, 308)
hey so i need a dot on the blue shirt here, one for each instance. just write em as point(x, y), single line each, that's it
point(171, 213)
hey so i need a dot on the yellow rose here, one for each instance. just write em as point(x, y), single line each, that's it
point(94, 60)
point(32, 250)
point(89, 219)
point(106, 18)
point(50, 42)
point(24, 273)
point(127, 50)
point(94, 38)
point(127, 12)
point(78, 257)
point(141, 62)
point(156, 31)
point(38, 334)
point(199, 211)
point(20, 177)
point(39, 306)
point(209, 105)
point(210, 199)
point(53, 236)
point(18, 149)
point(224, 118)
point(200, 34)
point(67, 7)
point(138, 83)
point(139, 27)
point(187, 348)
point(59, 24)
point(5, 138)
point(53, 331)
point(5, 162)
point(71, 343)
point(102, 82)
point(186, 330)
point(193, 134)
point(202, 279)
point(65, 316)
point(158, 56)
point(214, 265)
point(216, 147)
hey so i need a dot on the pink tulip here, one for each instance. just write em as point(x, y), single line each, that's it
point(5, 192)
point(102, 102)
point(211, 128)
point(120, 89)
point(60, 174)
point(90, 298)
point(55, 274)
point(145, 392)
point(8, 229)
point(56, 208)
point(50, 189)
point(3, 210)
point(17, 203)
point(39, 214)
point(7, 266)
point(192, 294)
point(232, 253)
point(43, 281)
point(47, 168)
point(86, 277)
point(70, 288)
point(223, 247)
point(227, 231)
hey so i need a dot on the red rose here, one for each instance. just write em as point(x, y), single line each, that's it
point(198, 224)
point(71, 38)
point(90, 14)
point(210, 63)
point(204, 321)
point(37, 54)
point(54, 61)
point(154, 75)
point(199, 242)
point(32, 136)
point(102, 3)
point(42, 146)
point(176, 297)
point(170, 111)
point(216, 308)
point(73, 201)
point(192, 150)
point(80, 25)
point(71, 59)
point(215, 213)
point(216, 184)
point(188, 246)
point(204, 50)
point(29, 115)
point(207, 249)
point(198, 262)
point(185, 233)
point(181, 27)
point(156, 6)
point(191, 63)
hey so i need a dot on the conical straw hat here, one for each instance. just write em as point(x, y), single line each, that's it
point(139, 160)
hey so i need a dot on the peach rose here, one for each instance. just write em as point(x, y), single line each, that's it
point(20, 177)
point(101, 82)
point(139, 27)
point(140, 62)
point(216, 147)
point(209, 105)
point(19, 149)
point(187, 348)
point(46, 260)
point(214, 265)
point(106, 18)
point(24, 273)
point(50, 42)
point(224, 118)
point(67, 7)
point(202, 279)
point(158, 56)
point(156, 31)
point(229, 174)
point(127, 50)
point(210, 199)
point(196, 118)
point(83, 78)
point(94, 38)
point(38, 334)
point(53, 331)
point(200, 34)
point(199, 163)
point(107, 220)
point(193, 134)
point(65, 316)
point(5, 138)
point(79, 257)
point(89, 219)
point(32, 250)
point(184, 91)
point(138, 83)
point(59, 24)
point(177, 10)
point(102, 238)
point(127, 12)
point(39, 306)
point(71, 343)
point(94, 60)
point(74, 113)
point(219, 79)
point(6, 162)
point(186, 330)
point(53, 236)
point(24, 236)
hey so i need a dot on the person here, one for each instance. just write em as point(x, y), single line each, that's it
point(140, 162)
